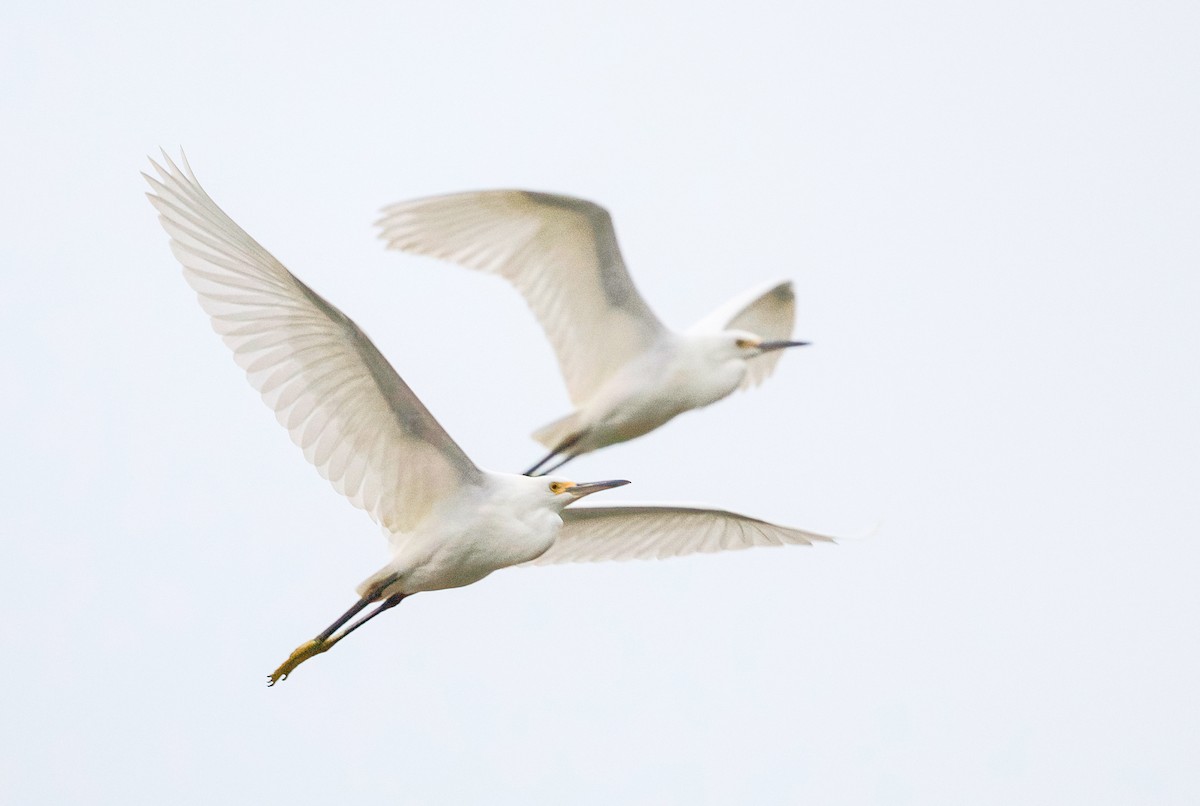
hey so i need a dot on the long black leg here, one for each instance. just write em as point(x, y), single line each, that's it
point(349, 614)
point(322, 643)
point(386, 604)
point(566, 444)
point(371, 597)
point(552, 468)
point(541, 462)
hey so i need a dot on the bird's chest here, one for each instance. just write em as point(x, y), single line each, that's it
point(672, 389)
point(696, 382)
point(493, 541)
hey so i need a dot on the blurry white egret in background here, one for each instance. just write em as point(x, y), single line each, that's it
point(625, 371)
point(448, 522)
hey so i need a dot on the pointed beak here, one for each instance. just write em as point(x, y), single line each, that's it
point(580, 490)
point(768, 346)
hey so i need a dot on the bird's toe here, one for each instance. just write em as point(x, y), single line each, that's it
point(302, 653)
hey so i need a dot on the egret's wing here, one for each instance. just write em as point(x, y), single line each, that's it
point(647, 532)
point(768, 311)
point(560, 252)
point(343, 404)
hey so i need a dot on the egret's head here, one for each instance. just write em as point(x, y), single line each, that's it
point(745, 344)
point(565, 492)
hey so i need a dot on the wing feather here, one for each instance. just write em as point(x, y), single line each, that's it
point(559, 252)
point(354, 418)
point(645, 531)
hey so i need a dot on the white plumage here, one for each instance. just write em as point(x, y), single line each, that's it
point(355, 419)
point(626, 373)
point(449, 522)
point(595, 533)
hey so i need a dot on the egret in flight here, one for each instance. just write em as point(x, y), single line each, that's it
point(626, 372)
point(448, 522)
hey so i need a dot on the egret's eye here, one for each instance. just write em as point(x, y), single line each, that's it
point(745, 344)
point(558, 487)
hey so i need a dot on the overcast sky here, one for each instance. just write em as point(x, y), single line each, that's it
point(989, 211)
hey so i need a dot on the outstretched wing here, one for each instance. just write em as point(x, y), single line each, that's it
point(647, 532)
point(768, 311)
point(560, 252)
point(355, 419)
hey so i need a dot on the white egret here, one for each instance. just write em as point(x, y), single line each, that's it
point(626, 373)
point(449, 523)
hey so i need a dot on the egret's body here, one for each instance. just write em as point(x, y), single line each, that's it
point(449, 523)
point(502, 521)
point(687, 372)
point(626, 372)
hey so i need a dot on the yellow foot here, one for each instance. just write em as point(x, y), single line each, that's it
point(302, 653)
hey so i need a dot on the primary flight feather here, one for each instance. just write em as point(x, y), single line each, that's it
point(449, 523)
point(626, 372)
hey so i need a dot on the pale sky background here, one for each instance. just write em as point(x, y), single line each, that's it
point(990, 214)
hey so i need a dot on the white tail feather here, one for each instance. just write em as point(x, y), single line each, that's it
point(553, 434)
